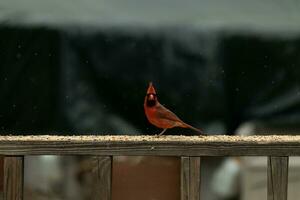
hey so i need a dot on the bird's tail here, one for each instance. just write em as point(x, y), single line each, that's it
point(185, 125)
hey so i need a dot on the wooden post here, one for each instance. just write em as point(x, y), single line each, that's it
point(190, 178)
point(13, 177)
point(277, 177)
point(1, 173)
point(185, 178)
point(102, 176)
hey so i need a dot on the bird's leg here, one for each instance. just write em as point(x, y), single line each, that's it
point(162, 132)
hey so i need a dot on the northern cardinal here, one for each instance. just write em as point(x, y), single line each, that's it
point(160, 116)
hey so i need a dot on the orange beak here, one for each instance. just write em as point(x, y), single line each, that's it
point(151, 89)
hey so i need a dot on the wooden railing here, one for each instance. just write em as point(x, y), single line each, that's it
point(190, 149)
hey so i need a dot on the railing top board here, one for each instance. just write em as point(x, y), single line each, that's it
point(115, 145)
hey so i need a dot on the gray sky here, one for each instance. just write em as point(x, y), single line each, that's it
point(265, 15)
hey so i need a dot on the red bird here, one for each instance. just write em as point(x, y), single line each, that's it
point(160, 116)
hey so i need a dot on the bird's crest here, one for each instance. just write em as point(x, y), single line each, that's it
point(151, 89)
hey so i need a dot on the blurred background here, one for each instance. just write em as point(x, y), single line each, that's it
point(83, 67)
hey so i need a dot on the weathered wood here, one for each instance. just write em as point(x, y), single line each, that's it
point(13, 177)
point(185, 178)
point(102, 178)
point(151, 145)
point(190, 178)
point(277, 177)
point(1, 173)
point(195, 178)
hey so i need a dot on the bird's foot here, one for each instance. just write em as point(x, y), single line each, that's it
point(162, 132)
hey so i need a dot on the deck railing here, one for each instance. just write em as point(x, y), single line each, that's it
point(189, 148)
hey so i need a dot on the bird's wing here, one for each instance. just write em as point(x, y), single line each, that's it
point(164, 113)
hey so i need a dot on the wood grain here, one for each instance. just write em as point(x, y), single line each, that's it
point(151, 145)
point(1, 174)
point(277, 178)
point(185, 178)
point(102, 178)
point(190, 178)
point(195, 178)
point(13, 177)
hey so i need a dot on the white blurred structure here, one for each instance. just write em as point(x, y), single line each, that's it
point(50, 177)
point(248, 175)
point(225, 182)
point(254, 169)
